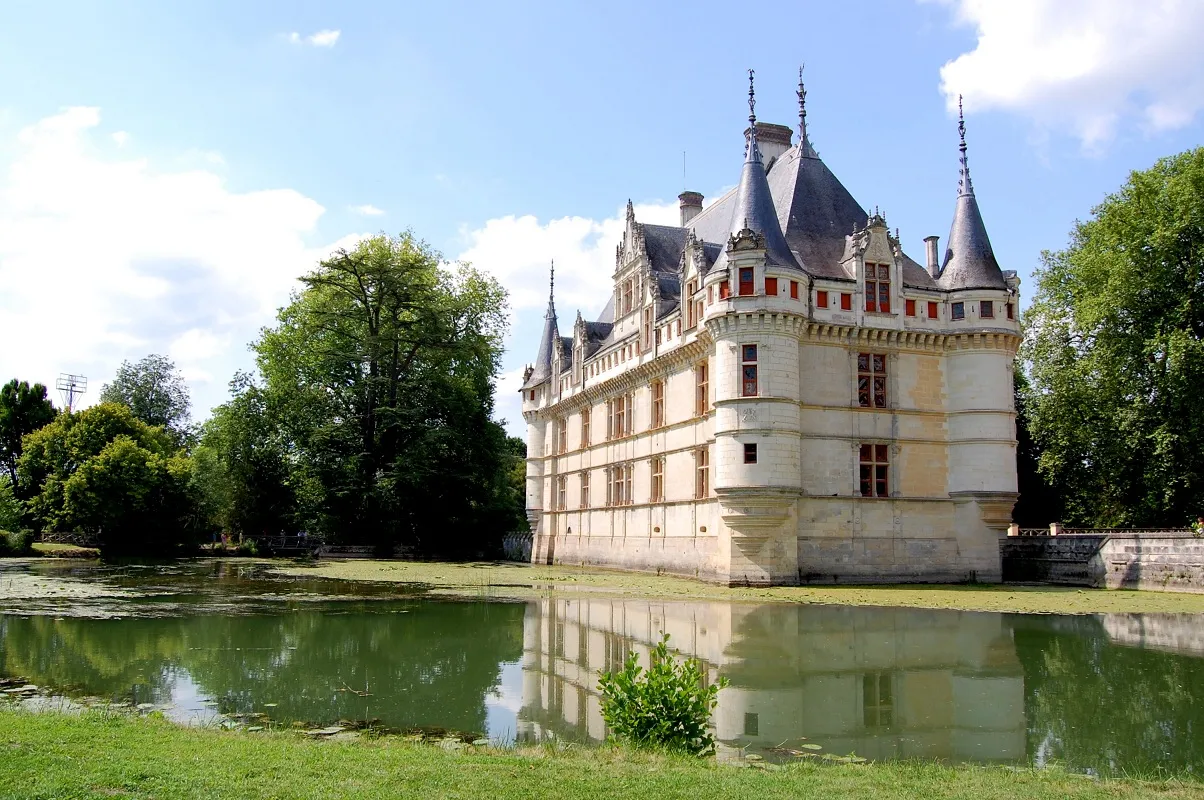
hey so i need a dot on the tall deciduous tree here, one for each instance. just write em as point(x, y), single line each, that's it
point(1115, 349)
point(155, 391)
point(23, 410)
point(379, 376)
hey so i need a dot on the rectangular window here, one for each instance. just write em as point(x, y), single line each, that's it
point(794, 290)
point(679, 327)
point(702, 389)
point(648, 328)
point(821, 299)
point(877, 288)
point(1011, 311)
point(618, 417)
point(562, 435)
point(585, 418)
point(627, 293)
point(748, 370)
point(846, 302)
point(702, 473)
point(750, 454)
point(532, 395)
point(585, 489)
point(561, 492)
point(873, 470)
point(725, 291)
point(959, 310)
point(746, 281)
point(710, 294)
point(771, 287)
point(658, 403)
point(986, 309)
point(932, 310)
point(910, 308)
point(658, 479)
point(871, 380)
point(691, 288)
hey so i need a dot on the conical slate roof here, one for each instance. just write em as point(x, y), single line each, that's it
point(969, 260)
point(753, 207)
point(550, 339)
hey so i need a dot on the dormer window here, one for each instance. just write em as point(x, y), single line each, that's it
point(877, 288)
point(627, 289)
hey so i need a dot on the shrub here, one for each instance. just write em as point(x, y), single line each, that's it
point(666, 707)
point(15, 544)
point(10, 507)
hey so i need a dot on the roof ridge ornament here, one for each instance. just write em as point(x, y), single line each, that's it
point(804, 143)
point(964, 186)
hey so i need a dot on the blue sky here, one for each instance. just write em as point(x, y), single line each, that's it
point(167, 170)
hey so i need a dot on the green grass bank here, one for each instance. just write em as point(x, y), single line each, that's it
point(529, 580)
point(108, 755)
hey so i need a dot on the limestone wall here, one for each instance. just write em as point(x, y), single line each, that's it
point(1166, 561)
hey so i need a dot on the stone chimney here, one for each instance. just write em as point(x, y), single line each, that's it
point(773, 140)
point(691, 204)
point(930, 248)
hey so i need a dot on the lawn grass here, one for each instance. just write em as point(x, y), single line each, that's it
point(64, 550)
point(527, 580)
point(108, 755)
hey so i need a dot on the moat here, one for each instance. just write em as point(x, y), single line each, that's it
point(229, 643)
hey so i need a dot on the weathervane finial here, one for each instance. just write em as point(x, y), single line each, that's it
point(963, 180)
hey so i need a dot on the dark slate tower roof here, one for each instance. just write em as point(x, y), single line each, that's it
point(969, 260)
point(753, 207)
point(550, 339)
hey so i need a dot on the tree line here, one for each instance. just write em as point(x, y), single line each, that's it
point(367, 421)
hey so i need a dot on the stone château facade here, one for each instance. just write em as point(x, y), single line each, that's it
point(777, 394)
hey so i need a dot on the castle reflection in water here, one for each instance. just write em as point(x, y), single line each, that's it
point(881, 683)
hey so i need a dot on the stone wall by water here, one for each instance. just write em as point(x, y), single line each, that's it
point(1166, 561)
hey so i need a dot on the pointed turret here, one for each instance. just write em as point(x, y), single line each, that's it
point(550, 339)
point(969, 260)
point(754, 209)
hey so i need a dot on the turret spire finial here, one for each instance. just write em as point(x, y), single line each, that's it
point(804, 144)
point(963, 181)
point(552, 289)
point(753, 152)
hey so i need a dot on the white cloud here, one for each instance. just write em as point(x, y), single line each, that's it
point(104, 260)
point(368, 210)
point(121, 137)
point(1082, 65)
point(517, 250)
point(324, 38)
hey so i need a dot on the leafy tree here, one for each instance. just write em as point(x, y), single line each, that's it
point(23, 410)
point(10, 506)
point(1115, 349)
point(1041, 500)
point(379, 378)
point(155, 391)
point(241, 465)
point(102, 470)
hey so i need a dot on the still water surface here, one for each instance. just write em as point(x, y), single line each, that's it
point(210, 639)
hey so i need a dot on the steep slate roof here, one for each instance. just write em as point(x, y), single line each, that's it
point(543, 361)
point(969, 260)
point(664, 245)
point(566, 353)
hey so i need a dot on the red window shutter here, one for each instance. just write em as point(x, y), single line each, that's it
point(911, 308)
point(821, 299)
point(794, 290)
point(846, 301)
point(746, 281)
point(724, 290)
point(932, 312)
point(771, 286)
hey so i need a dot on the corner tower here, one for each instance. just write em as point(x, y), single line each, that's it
point(756, 357)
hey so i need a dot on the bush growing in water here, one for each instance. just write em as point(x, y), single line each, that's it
point(668, 706)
